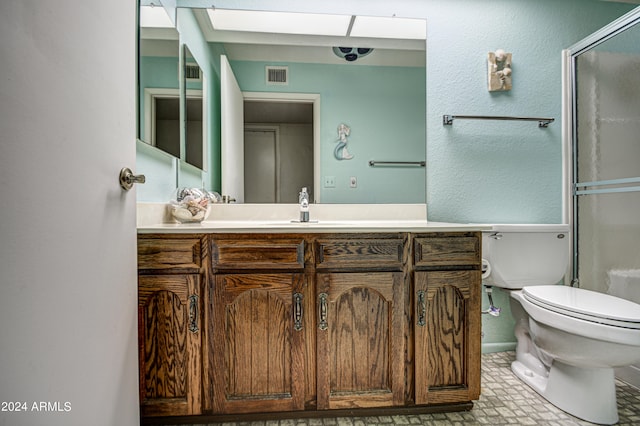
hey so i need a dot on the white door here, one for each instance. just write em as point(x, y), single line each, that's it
point(261, 165)
point(232, 133)
point(68, 299)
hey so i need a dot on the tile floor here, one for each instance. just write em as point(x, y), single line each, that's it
point(505, 400)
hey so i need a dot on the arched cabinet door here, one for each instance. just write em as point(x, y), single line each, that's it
point(446, 317)
point(360, 339)
point(447, 330)
point(258, 339)
point(171, 325)
point(170, 344)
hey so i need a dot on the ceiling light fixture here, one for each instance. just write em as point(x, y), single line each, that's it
point(350, 54)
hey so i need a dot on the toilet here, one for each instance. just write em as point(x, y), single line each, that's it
point(569, 340)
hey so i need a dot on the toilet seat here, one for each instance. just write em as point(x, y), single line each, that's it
point(585, 304)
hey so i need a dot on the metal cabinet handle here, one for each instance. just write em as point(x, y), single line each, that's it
point(322, 311)
point(193, 313)
point(297, 311)
point(422, 309)
point(127, 179)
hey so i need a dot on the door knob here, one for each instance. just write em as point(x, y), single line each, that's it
point(127, 179)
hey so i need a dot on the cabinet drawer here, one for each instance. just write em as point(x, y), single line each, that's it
point(447, 250)
point(257, 254)
point(183, 254)
point(369, 253)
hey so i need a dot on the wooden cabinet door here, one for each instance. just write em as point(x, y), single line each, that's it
point(258, 354)
point(360, 343)
point(447, 336)
point(170, 344)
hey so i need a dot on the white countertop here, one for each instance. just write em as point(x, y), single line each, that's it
point(320, 227)
point(260, 218)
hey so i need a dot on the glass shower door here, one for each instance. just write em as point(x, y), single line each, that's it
point(606, 152)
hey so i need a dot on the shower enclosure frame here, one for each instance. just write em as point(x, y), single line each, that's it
point(572, 189)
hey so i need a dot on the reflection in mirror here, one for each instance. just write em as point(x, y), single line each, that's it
point(194, 130)
point(158, 84)
point(380, 95)
point(278, 151)
point(165, 122)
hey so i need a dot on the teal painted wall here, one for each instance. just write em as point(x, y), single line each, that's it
point(485, 171)
point(156, 72)
point(158, 166)
point(385, 109)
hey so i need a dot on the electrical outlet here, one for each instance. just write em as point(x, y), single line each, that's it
point(353, 182)
point(329, 181)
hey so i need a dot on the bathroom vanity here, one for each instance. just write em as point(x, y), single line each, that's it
point(242, 319)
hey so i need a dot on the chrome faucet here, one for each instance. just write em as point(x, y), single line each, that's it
point(303, 198)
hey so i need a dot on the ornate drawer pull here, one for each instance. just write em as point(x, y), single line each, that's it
point(422, 309)
point(322, 311)
point(193, 313)
point(297, 311)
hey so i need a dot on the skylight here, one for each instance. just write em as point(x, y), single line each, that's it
point(154, 17)
point(384, 27)
point(317, 24)
point(279, 22)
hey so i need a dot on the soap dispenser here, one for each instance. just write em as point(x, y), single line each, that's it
point(303, 198)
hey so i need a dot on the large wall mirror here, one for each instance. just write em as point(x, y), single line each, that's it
point(316, 106)
point(171, 104)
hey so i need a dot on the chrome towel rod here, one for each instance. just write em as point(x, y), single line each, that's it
point(374, 163)
point(447, 120)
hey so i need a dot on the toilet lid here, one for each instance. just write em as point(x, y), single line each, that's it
point(585, 304)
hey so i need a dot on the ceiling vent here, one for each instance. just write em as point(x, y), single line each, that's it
point(192, 72)
point(277, 75)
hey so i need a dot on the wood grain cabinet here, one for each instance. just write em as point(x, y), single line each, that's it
point(258, 328)
point(447, 318)
point(360, 340)
point(359, 296)
point(170, 321)
point(235, 324)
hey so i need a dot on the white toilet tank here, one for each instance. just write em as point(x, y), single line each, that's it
point(526, 255)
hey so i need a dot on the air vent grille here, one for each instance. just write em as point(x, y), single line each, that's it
point(277, 75)
point(192, 72)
